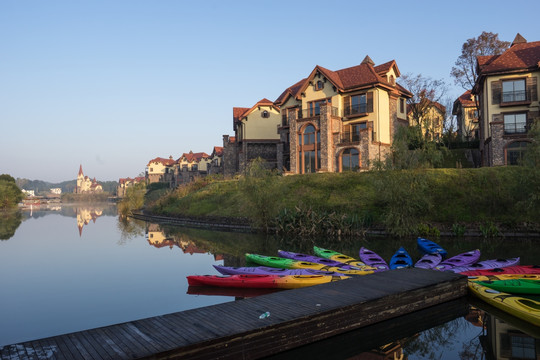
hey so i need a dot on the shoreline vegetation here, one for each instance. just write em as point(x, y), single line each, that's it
point(488, 202)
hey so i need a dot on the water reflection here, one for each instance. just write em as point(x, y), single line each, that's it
point(9, 222)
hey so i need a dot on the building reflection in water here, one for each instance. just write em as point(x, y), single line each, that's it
point(85, 215)
point(158, 238)
point(509, 339)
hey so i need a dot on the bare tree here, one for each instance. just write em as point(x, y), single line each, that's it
point(427, 94)
point(464, 73)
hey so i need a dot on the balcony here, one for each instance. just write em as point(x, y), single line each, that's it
point(349, 137)
point(316, 112)
point(355, 109)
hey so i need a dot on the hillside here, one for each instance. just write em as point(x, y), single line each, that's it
point(41, 187)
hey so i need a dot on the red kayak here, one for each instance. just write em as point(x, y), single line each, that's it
point(261, 281)
point(517, 269)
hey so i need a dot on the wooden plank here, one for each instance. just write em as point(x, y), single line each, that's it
point(234, 330)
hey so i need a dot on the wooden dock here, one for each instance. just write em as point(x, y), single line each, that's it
point(233, 330)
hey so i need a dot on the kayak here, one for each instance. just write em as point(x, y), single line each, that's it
point(516, 269)
point(401, 259)
point(265, 270)
point(428, 261)
point(261, 281)
point(315, 259)
point(486, 265)
point(283, 263)
point(504, 277)
point(371, 258)
point(516, 286)
point(429, 247)
point(523, 308)
point(464, 259)
point(337, 256)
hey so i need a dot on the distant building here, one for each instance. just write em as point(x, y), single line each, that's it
point(125, 183)
point(85, 185)
point(160, 170)
point(56, 191)
point(467, 116)
point(29, 192)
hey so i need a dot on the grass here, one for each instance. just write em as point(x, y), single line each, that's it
point(399, 200)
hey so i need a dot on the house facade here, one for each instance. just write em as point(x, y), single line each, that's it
point(191, 166)
point(160, 170)
point(340, 120)
point(256, 136)
point(125, 183)
point(464, 108)
point(429, 115)
point(507, 90)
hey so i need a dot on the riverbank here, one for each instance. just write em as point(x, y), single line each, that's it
point(463, 202)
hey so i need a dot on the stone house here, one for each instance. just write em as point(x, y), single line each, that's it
point(464, 109)
point(191, 166)
point(342, 120)
point(125, 183)
point(256, 136)
point(160, 170)
point(507, 91)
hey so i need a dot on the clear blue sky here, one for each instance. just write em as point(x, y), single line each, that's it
point(113, 84)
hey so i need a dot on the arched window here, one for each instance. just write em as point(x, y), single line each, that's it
point(515, 152)
point(309, 153)
point(350, 160)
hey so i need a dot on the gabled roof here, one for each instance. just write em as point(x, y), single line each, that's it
point(239, 115)
point(434, 104)
point(466, 99)
point(291, 91)
point(194, 157)
point(166, 162)
point(521, 56)
point(359, 76)
point(218, 151)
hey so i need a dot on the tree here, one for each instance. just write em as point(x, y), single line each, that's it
point(10, 194)
point(464, 73)
point(427, 97)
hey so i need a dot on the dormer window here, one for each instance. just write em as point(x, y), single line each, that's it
point(392, 80)
point(319, 85)
point(265, 114)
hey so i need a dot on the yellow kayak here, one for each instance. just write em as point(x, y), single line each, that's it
point(504, 277)
point(516, 305)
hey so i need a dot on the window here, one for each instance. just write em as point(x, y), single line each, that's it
point(515, 123)
point(356, 104)
point(515, 152)
point(350, 160)
point(401, 105)
point(184, 167)
point(265, 114)
point(513, 90)
point(319, 85)
point(355, 131)
point(315, 106)
point(309, 152)
point(194, 167)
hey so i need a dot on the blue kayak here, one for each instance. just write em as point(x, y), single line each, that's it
point(429, 247)
point(401, 259)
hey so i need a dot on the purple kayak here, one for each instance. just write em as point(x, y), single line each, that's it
point(315, 259)
point(487, 265)
point(428, 261)
point(464, 259)
point(264, 270)
point(372, 259)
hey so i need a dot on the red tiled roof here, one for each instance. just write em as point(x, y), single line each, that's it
point(437, 105)
point(238, 112)
point(218, 151)
point(520, 56)
point(290, 91)
point(466, 99)
point(238, 115)
point(194, 157)
point(166, 162)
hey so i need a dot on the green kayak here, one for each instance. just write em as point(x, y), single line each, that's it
point(336, 256)
point(284, 263)
point(517, 286)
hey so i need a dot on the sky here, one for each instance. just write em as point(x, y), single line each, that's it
point(110, 85)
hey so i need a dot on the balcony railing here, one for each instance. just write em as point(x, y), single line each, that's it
point(355, 109)
point(349, 137)
point(308, 113)
point(515, 128)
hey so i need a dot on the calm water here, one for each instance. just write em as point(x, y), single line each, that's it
point(74, 268)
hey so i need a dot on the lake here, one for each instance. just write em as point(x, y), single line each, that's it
point(72, 268)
